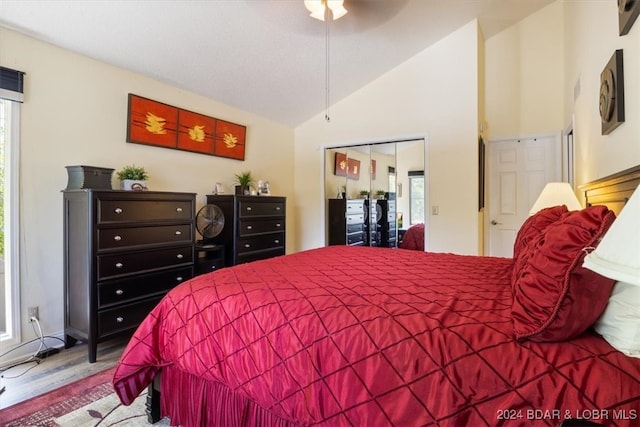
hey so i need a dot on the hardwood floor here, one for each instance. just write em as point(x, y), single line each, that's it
point(69, 365)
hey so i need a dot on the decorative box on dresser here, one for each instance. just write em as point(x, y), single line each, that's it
point(347, 222)
point(123, 251)
point(254, 227)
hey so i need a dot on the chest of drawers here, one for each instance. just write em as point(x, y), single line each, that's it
point(123, 250)
point(254, 227)
point(347, 222)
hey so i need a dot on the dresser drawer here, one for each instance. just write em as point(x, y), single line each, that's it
point(134, 262)
point(256, 226)
point(248, 208)
point(144, 210)
point(256, 243)
point(258, 255)
point(355, 219)
point(355, 238)
point(125, 317)
point(354, 228)
point(205, 265)
point(355, 207)
point(130, 288)
point(112, 238)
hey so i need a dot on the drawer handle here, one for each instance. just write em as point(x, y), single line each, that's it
point(276, 241)
point(278, 225)
point(118, 210)
point(117, 238)
point(178, 209)
point(119, 319)
point(119, 292)
point(179, 279)
point(178, 232)
point(213, 267)
point(119, 265)
point(248, 208)
point(278, 208)
point(247, 245)
point(179, 256)
point(249, 227)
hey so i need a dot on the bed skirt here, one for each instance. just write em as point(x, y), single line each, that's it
point(197, 402)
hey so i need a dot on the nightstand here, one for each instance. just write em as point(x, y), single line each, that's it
point(210, 257)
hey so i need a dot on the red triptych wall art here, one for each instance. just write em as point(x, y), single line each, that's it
point(154, 123)
point(345, 166)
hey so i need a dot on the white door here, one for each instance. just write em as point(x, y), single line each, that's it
point(518, 170)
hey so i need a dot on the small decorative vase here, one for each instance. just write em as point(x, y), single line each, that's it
point(134, 185)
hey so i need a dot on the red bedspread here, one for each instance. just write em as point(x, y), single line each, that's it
point(371, 337)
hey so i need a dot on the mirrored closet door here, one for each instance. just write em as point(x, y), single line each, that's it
point(363, 189)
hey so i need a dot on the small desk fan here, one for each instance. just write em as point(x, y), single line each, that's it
point(209, 222)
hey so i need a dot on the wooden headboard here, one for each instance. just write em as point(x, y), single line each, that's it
point(612, 191)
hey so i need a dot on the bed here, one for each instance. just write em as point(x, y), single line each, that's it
point(366, 336)
point(413, 238)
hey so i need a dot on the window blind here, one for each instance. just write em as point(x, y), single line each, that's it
point(11, 84)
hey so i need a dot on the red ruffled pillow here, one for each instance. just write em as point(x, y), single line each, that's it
point(530, 232)
point(534, 226)
point(554, 297)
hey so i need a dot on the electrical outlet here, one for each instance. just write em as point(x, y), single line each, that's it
point(33, 312)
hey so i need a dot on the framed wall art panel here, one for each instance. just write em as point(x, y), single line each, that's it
point(230, 140)
point(353, 171)
point(196, 132)
point(628, 11)
point(340, 166)
point(611, 101)
point(152, 123)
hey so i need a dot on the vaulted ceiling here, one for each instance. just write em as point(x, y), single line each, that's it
point(262, 56)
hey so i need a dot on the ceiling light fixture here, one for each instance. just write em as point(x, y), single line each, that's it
point(318, 8)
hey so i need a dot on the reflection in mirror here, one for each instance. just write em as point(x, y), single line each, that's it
point(411, 193)
point(335, 173)
point(363, 188)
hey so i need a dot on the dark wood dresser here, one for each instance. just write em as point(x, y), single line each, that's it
point(386, 223)
point(123, 250)
point(254, 227)
point(347, 222)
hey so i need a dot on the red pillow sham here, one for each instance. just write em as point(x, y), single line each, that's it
point(530, 232)
point(554, 297)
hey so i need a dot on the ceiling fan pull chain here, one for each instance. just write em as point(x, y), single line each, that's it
point(327, 71)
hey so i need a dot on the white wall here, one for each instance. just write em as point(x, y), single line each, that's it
point(433, 94)
point(75, 113)
point(591, 37)
point(524, 76)
point(544, 72)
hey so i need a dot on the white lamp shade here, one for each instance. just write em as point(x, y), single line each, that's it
point(618, 254)
point(556, 194)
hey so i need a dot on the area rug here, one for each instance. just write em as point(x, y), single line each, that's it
point(87, 402)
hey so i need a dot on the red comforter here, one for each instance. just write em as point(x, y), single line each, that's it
point(371, 337)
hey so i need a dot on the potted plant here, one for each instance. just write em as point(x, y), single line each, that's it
point(380, 194)
point(364, 194)
point(244, 180)
point(133, 177)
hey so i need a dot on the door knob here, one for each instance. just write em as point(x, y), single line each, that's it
point(494, 222)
